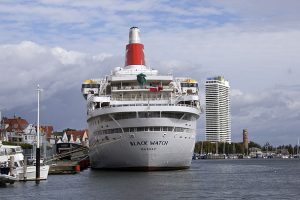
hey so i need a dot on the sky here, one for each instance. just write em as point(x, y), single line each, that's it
point(58, 44)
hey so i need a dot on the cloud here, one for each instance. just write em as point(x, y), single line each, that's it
point(255, 45)
point(27, 64)
point(269, 114)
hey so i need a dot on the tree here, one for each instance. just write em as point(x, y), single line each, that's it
point(68, 129)
point(253, 144)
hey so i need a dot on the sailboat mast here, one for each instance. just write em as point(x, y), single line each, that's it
point(298, 147)
point(38, 117)
point(38, 153)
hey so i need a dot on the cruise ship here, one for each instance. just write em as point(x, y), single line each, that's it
point(140, 119)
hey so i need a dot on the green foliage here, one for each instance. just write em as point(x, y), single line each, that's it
point(290, 148)
point(223, 148)
point(68, 129)
point(238, 148)
point(23, 145)
point(253, 144)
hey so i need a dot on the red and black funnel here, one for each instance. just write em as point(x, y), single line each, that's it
point(134, 50)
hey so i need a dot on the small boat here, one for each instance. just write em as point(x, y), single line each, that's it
point(5, 170)
point(5, 176)
point(20, 170)
point(28, 173)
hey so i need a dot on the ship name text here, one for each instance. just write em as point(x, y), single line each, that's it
point(152, 143)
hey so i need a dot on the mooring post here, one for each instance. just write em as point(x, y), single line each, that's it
point(25, 169)
point(37, 165)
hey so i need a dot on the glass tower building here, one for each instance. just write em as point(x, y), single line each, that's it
point(217, 112)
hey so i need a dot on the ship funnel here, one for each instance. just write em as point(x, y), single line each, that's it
point(134, 35)
point(134, 50)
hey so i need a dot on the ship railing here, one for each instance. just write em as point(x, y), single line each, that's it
point(143, 104)
point(148, 104)
point(140, 99)
point(116, 88)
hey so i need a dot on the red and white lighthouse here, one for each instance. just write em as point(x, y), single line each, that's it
point(134, 50)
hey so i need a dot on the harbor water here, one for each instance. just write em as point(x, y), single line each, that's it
point(206, 179)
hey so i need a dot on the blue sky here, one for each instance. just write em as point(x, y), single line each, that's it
point(60, 43)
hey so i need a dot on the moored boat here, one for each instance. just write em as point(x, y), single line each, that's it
point(21, 171)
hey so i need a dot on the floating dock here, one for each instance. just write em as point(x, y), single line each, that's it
point(68, 167)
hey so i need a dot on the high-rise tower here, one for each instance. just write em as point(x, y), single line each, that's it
point(245, 140)
point(217, 99)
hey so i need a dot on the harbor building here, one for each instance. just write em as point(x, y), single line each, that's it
point(217, 99)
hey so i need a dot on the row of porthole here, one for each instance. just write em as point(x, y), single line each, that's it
point(143, 129)
point(106, 138)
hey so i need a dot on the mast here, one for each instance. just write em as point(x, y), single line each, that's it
point(38, 153)
point(1, 128)
point(298, 147)
point(201, 148)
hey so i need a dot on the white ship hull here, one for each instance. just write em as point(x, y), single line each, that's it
point(155, 150)
point(167, 143)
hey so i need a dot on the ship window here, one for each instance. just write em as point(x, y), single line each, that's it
point(164, 128)
point(105, 118)
point(184, 84)
point(125, 115)
point(90, 86)
point(156, 128)
point(149, 114)
point(178, 129)
point(190, 117)
point(154, 114)
point(175, 115)
point(143, 114)
point(140, 129)
point(131, 129)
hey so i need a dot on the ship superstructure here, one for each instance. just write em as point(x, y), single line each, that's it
point(140, 119)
